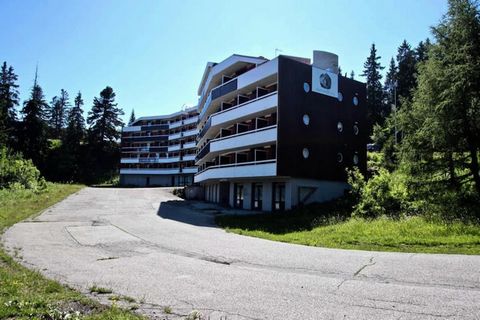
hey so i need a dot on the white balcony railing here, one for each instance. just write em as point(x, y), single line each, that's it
point(190, 145)
point(175, 147)
point(149, 160)
point(149, 171)
point(267, 168)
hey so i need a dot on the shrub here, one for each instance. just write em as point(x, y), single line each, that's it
point(17, 173)
point(383, 194)
point(179, 192)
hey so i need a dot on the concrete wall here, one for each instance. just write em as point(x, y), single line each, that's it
point(323, 191)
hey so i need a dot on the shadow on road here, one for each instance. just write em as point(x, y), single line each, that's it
point(182, 211)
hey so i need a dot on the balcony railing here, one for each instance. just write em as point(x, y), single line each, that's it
point(205, 150)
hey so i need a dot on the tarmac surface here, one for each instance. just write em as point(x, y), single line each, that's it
point(150, 245)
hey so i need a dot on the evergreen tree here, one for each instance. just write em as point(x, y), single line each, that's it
point(75, 131)
point(421, 51)
point(406, 80)
point(352, 75)
point(58, 113)
point(442, 144)
point(132, 117)
point(34, 143)
point(372, 68)
point(390, 84)
point(9, 99)
point(104, 118)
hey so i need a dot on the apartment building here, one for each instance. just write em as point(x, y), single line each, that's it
point(275, 134)
point(160, 150)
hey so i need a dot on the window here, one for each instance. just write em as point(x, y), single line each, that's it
point(278, 197)
point(340, 126)
point(339, 157)
point(355, 159)
point(306, 87)
point(340, 96)
point(355, 101)
point(355, 129)
point(306, 119)
point(238, 195)
point(305, 153)
point(257, 190)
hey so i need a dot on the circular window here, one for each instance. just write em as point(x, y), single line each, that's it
point(306, 119)
point(355, 129)
point(305, 153)
point(355, 159)
point(355, 101)
point(340, 127)
point(340, 97)
point(339, 157)
point(306, 87)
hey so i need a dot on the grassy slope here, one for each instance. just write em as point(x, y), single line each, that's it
point(25, 294)
point(405, 235)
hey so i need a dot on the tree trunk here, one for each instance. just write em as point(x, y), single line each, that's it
point(474, 167)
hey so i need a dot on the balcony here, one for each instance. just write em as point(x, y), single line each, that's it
point(155, 127)
point(190, 170)
point(267, 168)
point(190, 145)
point(249, 109)
point(189, 157)
point(248, 79)
point(150, 171)
point(149, 160)
point(174, 147)
point(175, 136)
point(145, 138)
point(132, 129)
point(191, 120)
point(205, 150)
point(189, 133)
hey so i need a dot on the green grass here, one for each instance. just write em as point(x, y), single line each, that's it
point(310, 228)
point(26, 294)
point(100, 290)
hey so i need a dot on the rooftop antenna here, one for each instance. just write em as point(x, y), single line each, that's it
point(277, 51)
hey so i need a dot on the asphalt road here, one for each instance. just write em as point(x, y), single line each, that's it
point(147, 244)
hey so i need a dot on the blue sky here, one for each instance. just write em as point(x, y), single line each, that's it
point(153, 53)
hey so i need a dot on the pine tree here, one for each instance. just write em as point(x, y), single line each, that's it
point(371, 71)
point(58, 113)
point(34, 142)
point(406, 80)
point(132, 117)
point(75, 131)
point(352, 75)
point(390, 84)
point(104, 118)
point(9, 99)
point(421, 51)
point(442, 143)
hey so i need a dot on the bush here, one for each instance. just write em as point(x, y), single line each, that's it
point(384, 194)
point(179, 192)
point(18, 173)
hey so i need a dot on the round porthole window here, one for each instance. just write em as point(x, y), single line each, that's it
point(306, 87)
point(340, 97)
point(355, 129)
point(306, 119)
point(340, 127)
point(355, 101)
point(339, 157)
point(305, 153)
point(355, 159)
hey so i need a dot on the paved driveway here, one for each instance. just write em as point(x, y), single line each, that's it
point(147, 244)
